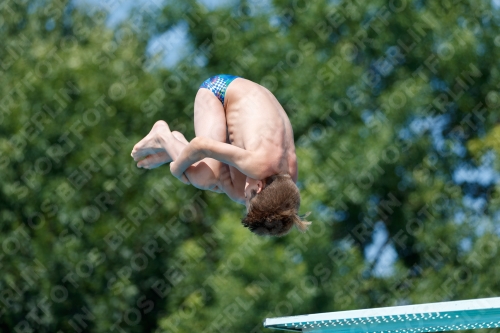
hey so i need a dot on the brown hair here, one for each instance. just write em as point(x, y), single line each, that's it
point(274, 210)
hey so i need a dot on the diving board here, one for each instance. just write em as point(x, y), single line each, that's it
point(419, 318)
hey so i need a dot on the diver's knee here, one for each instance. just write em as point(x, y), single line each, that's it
point(179, 136)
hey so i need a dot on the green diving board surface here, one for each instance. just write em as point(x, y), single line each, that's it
point(431, 317)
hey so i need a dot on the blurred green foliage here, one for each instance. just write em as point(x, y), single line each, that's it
point(388, 100)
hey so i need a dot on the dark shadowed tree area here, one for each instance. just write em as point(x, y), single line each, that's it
point(395, 107)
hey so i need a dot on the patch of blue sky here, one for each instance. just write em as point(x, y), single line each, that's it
point(251, 7)
point(172, 46)
point(420, 124)
point(465, 244)
point(387, 255)
point(483, 225)
point(215, 4)
point(496, 221)
point(325, 213)
point(484, 174)
point(476, 204)
point(119, 10)
point(459, 217)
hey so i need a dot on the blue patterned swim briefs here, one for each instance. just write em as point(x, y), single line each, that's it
point(218, 84)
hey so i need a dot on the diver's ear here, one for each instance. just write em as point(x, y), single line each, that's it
point(260, 186)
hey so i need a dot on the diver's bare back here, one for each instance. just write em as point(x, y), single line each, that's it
point(257, 122)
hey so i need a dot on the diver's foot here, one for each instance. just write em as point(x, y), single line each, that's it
point(151, 143)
